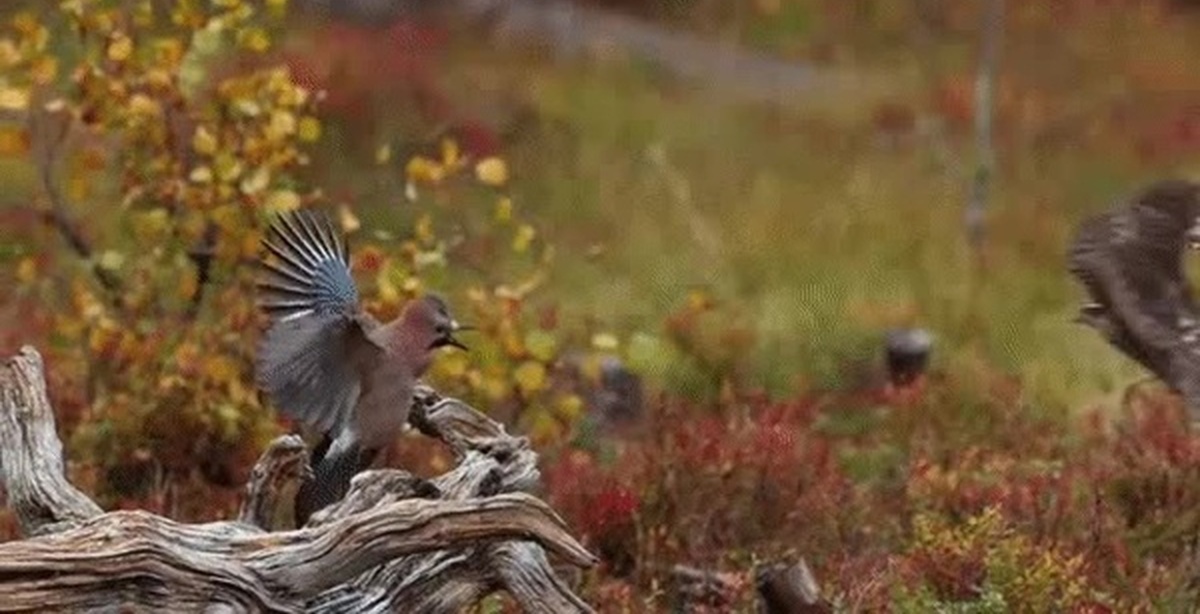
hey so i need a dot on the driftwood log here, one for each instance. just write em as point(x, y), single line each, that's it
point(396, 543)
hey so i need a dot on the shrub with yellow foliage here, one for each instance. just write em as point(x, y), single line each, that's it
point(164, 136)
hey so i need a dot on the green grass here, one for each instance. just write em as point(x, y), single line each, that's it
point(815, 235)
point(799, 223)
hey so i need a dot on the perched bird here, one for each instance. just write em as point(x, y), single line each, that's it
point(1130, 261)
point(331, 365)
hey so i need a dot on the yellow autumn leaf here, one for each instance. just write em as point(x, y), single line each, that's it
point(605, 341)
point(492, 171)
point(699, 300)
point(143, 105)
point(43, 69)
point(14, 141)
point(292, 95)
point(308, 129)
point(424, 229)
point(97, 339)
point(512, 343)
point(9, 54)
point(282, 125)
point(420, 168)
point(151, 225)
point(450, 153)
point(346, 218)
point(255, 182)
point(495, 388)
point(504, 209)
point(279, 201)
point(248, 107)
point(168, 52)
point(453, 364)
point(529, 377)
point(120, 47)
point(541, 344)
point(201, 174)
point(569, 407)
point(203, 141)
point(111, 260)
point(227, 217)
point(27, 270)
point(254, 39)
point(227, 167)
point(523, 238)
point(388, 292)
point(220, 368)
point(383, 154)
point(14, 98)
point(591, 368)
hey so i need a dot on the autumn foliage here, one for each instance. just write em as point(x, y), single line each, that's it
point(165, 136)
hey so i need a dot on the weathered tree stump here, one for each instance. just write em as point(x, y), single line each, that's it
point(790, 588)
point(395, 543)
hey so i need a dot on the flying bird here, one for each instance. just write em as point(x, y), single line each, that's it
point(329, 364)
point(1130, 262)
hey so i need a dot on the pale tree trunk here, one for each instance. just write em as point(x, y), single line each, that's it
point(395, 543)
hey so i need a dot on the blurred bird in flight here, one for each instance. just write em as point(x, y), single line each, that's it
point(1130, 261)
point(329, 364)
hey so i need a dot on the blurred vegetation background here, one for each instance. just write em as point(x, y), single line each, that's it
point(601, 188)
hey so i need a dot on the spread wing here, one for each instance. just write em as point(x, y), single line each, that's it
point(1129, 260)
point(309, 361)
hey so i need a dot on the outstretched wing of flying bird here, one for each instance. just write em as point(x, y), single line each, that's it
point(1130, 261)
point(306, 361)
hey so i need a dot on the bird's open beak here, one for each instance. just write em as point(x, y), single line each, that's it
point(454, 328)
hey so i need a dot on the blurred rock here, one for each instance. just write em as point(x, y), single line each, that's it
point(611, 392)
point(907, 352)
point(790, 589)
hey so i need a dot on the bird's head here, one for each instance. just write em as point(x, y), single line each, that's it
point(429, 324)
point(1180, 199)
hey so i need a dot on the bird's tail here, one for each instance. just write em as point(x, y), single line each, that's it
point(310, 271)
point(333, 467)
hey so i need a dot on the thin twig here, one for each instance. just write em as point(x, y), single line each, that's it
point(58, 214)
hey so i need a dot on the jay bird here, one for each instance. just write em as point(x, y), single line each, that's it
point(329, 364)
point(1129, 259)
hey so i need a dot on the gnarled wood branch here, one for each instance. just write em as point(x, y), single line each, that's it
point(396, 542)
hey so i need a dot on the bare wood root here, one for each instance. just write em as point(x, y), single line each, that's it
point(490, 462)
point(31, 453)
point(274, 480)
point(396, 542)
